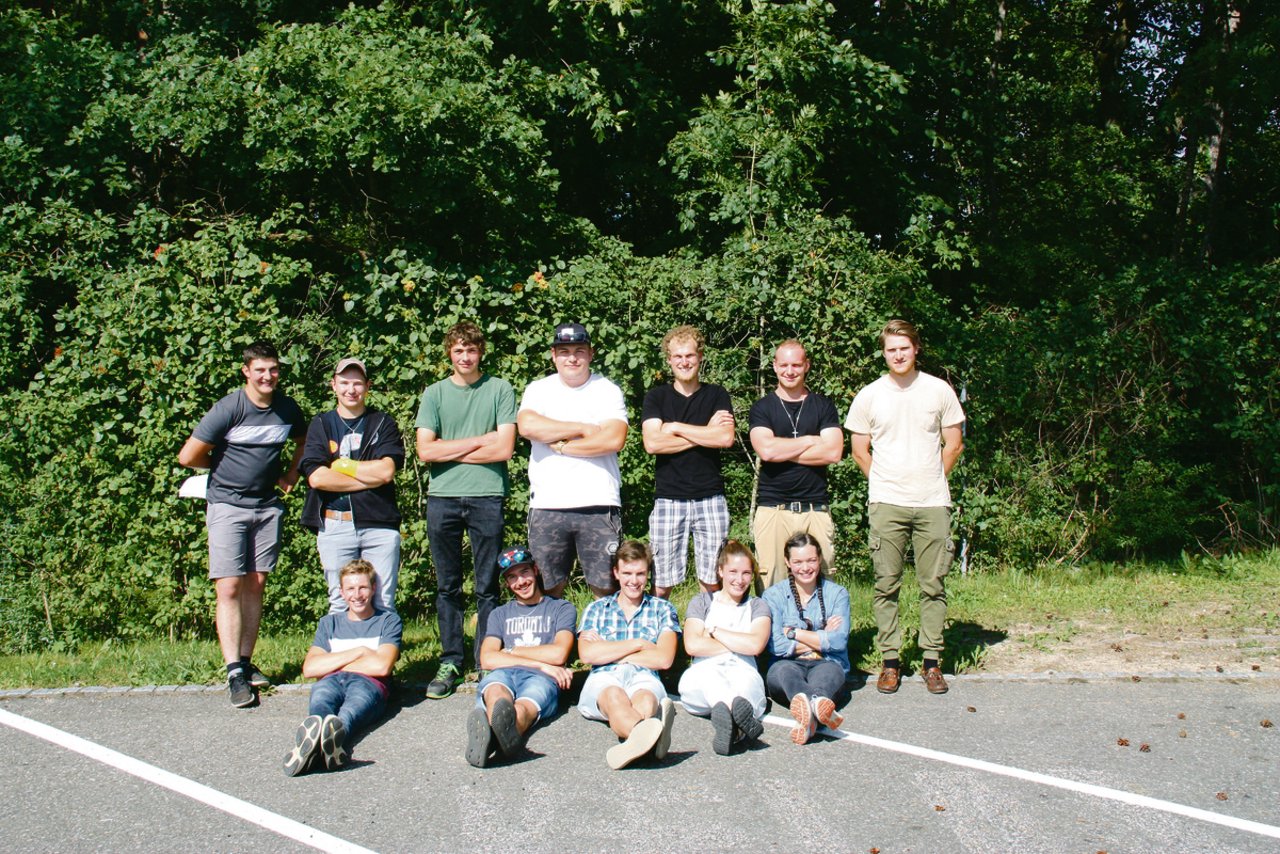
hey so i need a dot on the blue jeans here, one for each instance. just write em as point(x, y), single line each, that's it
point(356, 699)
point(339, 543)
point(447, 520)
point(524, 684)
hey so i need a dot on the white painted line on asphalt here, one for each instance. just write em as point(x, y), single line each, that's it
point(1046, 780)
point(244, 810)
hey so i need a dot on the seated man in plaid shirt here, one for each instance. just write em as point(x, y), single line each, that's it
point(626, 637)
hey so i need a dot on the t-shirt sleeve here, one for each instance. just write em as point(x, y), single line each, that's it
point(952, 411)
point(828, 417)
point(428, 416)
point(297, 420)
point(858, 419)
point(213, 427)
point(720, 399)
point(671, 620)
point(565, 616)
point(392, 629)
point(759, 608)
point(697, 609)
point(493, 626)
point(323, 634)
point(651, 408)
point(615, 406)
point(758, 416)
point(506, 413)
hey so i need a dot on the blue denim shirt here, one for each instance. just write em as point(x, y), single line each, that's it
point(835, 644)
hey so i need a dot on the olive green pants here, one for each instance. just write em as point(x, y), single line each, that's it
point(929, 530)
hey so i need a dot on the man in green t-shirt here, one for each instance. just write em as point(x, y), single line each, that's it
point(466, 432)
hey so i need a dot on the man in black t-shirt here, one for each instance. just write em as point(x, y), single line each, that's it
point(796, 434)
point(684, 425)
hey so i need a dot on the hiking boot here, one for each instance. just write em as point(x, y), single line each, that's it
point(305, 741)
point(825, 711)
point(806, 723)
point(744, 716)
point(446, 682)
point(644, 736)
point(504, 726)
point(723, 729)
point(333, 737)
point(255, 677)
point(479, 738)
point(666, 714)
point(242, 694)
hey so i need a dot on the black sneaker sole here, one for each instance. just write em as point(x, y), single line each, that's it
point(504, 727)
point(745, 717)
point(305, 741)
point(722, 724)
point(479, 737)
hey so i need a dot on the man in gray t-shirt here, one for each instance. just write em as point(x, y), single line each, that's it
point(239, 440)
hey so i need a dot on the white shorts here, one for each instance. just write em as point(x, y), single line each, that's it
point(631, 678)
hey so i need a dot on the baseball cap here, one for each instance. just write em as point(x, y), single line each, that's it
point(571, 333)
point(350, 363)
point(514, 557)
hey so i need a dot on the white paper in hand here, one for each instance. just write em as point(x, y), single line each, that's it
point(194, 486)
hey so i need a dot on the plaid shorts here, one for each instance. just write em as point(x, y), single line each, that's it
point(669, 526)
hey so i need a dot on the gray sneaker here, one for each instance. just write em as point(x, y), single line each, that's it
point(256, 677)
point(446, 682)
point(333, 742)
point(242, 694)
point(744, 716)
point(722, 728)
point(479, 738)
point(306, 741)
point(666, 714)
point(504, 727)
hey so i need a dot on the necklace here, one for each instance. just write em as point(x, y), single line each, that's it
point(795, 422)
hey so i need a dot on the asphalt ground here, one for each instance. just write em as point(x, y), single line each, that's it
point(1034, 764)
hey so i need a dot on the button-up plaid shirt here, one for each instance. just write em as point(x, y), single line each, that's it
point(605, 617)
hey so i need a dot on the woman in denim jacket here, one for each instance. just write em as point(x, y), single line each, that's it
point(809, 656)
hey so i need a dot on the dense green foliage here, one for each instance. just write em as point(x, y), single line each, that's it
point(1075, 201)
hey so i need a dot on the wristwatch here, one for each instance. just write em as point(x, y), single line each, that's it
point(790, 632)
point(712, 632)
point(558, 447)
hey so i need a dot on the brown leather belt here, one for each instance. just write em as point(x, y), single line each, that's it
point(339, 515)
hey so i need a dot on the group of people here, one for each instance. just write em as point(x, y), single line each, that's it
point(906, 436)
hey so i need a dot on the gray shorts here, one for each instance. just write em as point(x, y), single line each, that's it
point(593, 533)
point(242, 539)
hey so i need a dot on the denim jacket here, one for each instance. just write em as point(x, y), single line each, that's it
point(835, 644)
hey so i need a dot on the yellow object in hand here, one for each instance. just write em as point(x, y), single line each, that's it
point(344, 466)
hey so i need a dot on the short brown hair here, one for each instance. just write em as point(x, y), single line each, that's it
point(464, 332)
point(631, 551)
point(359, 566)
point(683, 333)
point(260, 350)
point(900, 327)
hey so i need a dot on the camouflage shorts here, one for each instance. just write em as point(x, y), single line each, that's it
point(592, 532)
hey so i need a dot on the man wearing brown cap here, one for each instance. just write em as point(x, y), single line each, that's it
point(350, 461)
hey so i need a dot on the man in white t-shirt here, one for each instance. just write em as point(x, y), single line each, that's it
point(576, 422)
point(913, 422)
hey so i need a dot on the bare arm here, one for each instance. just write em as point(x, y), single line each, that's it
point(594, 650)
point(496, 446)
point(607, 438)
point(540, 428)
point(952, 447)
point(196, 454)
point(493, 656)
point(655, 656)
point(698, 641)
point(860, 445)
point(369, 474)
point(378, 662)
point(821, 450)
point(669, 437)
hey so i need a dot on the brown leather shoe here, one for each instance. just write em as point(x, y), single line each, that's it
point(890, 678)
point(933, 680)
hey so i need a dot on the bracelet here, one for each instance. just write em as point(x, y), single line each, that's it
point(558, 447)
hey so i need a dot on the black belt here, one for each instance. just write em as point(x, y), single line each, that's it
point(803, 507)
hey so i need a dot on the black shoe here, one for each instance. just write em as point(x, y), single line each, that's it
point(333, 742)
point(479, 738)
point(305, 742)
point(446, 682)
point(255, 677)
point(242, 694)
point(745, 717)
point(722, 724)
point(504, 727)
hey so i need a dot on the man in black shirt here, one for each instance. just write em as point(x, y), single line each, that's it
point(684, 425)
point(796, 434)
